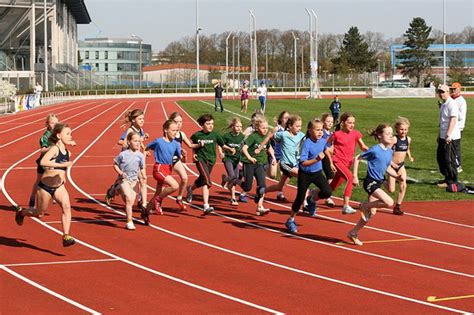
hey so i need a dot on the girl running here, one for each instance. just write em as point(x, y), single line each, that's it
point(205, 158)
point(401, 151)
point(281, 122)
point(328, 122)
point(313, 152)
point(136, 119)
point(254, 164)
point(379, 158)
point(55, 163)
point(165, 149)
point(344, 144)
point(178, 165)
point(289, 142)
point(130, 166)
point(244, 97)
point(51, 121)
point(233, 139)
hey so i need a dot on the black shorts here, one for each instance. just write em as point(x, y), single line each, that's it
point(399, 166)
point(286, 169)
point(371, 185)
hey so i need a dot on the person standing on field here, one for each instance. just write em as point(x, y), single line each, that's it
point(462, 106)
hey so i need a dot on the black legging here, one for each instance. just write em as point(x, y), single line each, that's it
point(447, 160)
point(306, 179)
point(251, 171)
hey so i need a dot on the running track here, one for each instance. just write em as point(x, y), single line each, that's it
point(228, 262)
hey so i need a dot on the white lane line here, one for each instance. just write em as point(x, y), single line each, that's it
point(36, 113)
point(334, 245)
point(51, 292)
point(72, 182)
point(356, 202)
point(62, 262)
point(40, 119)
point(42, 129)
point(85, 221)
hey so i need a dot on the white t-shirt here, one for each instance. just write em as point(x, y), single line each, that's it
point(462, 106)
point(262, 91)
point(448, 109)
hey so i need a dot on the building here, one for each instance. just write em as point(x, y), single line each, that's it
point(117, 59)
point(22, 40)
point(464, 51)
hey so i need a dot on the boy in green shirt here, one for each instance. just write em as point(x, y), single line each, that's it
point(205, 158)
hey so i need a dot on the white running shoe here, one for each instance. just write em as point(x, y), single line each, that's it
point(130, 226)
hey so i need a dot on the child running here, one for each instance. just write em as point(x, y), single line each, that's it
point(310, 172)
point(178, 165)
point(379, 158)
point(130, 166)
point(344, 144)
point(136, 119)
point(289, 142)
point(52, 184)
point(328, 122)
point(232, 139)
point(205, 158)
point(51, 121)
point(165, 149)
point(401, 151)
point(254, 163)
point(244, 97)
point(281, 122)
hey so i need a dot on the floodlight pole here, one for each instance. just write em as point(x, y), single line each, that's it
point(311, 54)
point(266, 61)
point(253, 48)
point(444, 41)
point(295, 39)
point(46, 88)
point(316, 51)
point(227, 63)
point(197, 45)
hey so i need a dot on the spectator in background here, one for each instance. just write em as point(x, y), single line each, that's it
point(448, 138)
point(218, 96)
point(262, 96)
point(38, 90)
point(462, 106)
point(335, 108)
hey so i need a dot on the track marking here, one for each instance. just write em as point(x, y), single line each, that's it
point(62, 262)
point(85, 221)
point(42, 129)
point(387, 210)
point(382, 241)
point(51, 292)
point(435, 299)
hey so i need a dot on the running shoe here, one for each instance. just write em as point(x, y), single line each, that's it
point(291, 226)
point(348, 210)
point(330, 203)
point(397, 210)
point(311, 207)
point(109, 196)
point(261, 211)
point(130, 226)
point(145, 215)
point(208, 210)
point(354, 239)
point(19, 218)
point(234, 202)
point(68, 240)
point(243, 198)
point(157, 203)
point(189, 196)
point(181, 204)
point(281, 197)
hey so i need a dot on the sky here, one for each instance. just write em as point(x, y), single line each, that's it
point(159, 22)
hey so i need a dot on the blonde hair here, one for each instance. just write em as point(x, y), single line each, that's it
point(49, 117)
point(232, 122)
point(401, 121)
point(292, 120)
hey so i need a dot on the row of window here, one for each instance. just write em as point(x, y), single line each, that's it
point(126, 55)
point(128, 67)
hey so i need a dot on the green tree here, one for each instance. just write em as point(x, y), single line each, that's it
point(456, 71)
point(354, 53)
point(416, 58)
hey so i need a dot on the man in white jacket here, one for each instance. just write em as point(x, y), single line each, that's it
point(462, 106)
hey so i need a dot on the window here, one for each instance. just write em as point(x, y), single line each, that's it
point(96, 55)
point(106, 67)
point(97, 67)
point(106, 55)
point(87, 55)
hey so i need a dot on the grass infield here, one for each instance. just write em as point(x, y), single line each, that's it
point(422, 113)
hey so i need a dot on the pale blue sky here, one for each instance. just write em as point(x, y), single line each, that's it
point(159, 22)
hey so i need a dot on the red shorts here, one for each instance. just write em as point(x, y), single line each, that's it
point(161, 171)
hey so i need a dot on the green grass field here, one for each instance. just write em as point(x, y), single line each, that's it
point(422, 113)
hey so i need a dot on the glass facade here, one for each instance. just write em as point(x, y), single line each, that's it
point(463, 51)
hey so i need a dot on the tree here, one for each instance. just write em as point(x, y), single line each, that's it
point(456, 71)
point(355, 53)
point(416, 58)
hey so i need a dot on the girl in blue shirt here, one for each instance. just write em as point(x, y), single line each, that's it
point(310, 171)
point(379, 160)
